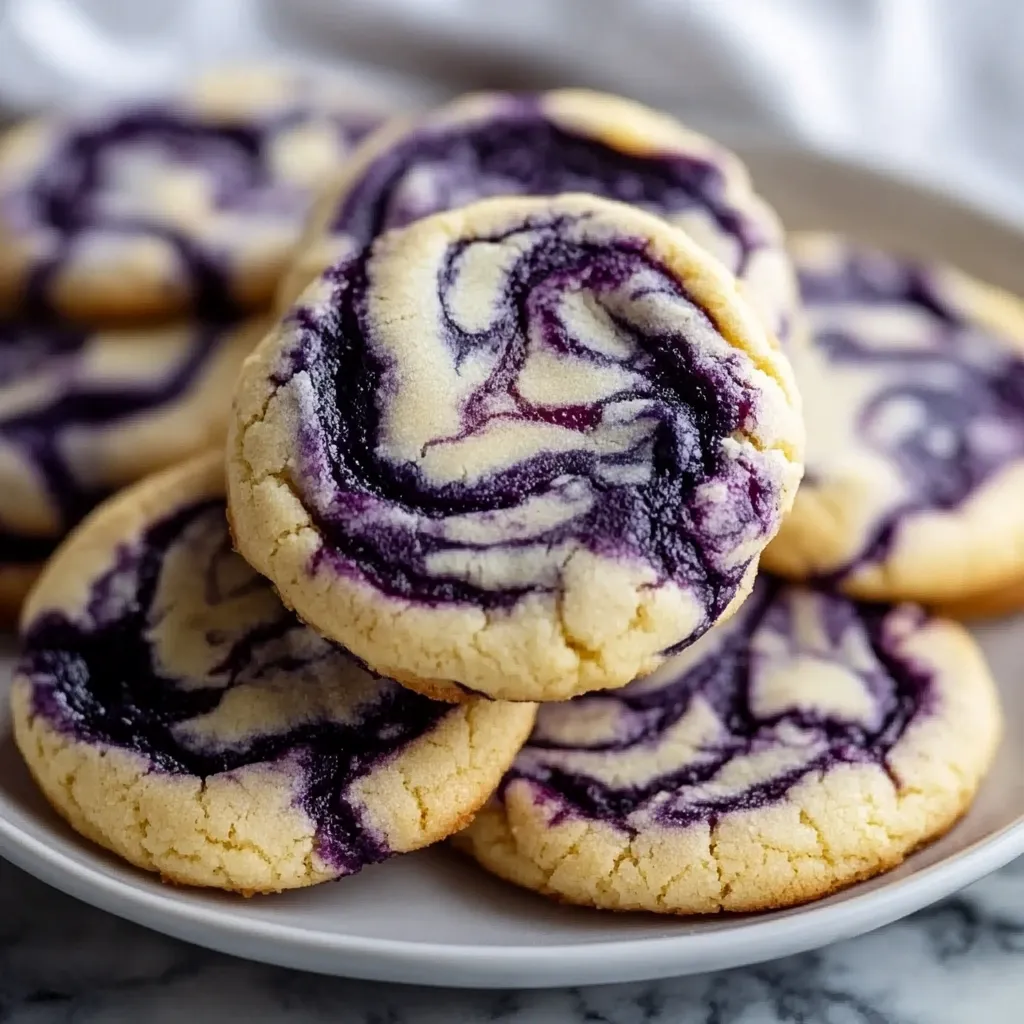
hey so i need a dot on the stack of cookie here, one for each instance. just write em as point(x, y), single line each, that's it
point(499, 477)
point(139, 253)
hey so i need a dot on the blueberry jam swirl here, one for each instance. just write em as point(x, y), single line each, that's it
point(54, 395)
point(184, 656)
point(797, 683)
point(502, 145)
point(902, 378)
point(540, 388)
point(196, 188)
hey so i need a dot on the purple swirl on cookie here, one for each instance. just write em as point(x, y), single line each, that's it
point(505, 144)
point(511, 144)
point(27, 351)
point(109, 676)
point(54, 396)
point(555, 407)
point(27, 348)
point(518, 149)
point(946, 402)
point(799, 682)
point(197, 186)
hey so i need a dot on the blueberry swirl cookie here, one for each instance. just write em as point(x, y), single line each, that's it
point(518, 449)
point(85, 412)
point(496, 144)
point(808, 743)
point(913, 388)
point(173, 711)
point(189, 206)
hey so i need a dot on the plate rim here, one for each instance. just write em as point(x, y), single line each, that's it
point(468, 966)
point(227, 929)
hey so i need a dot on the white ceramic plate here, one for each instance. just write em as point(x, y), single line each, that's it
point(433, 918)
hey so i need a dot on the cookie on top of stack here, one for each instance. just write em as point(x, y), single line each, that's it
point(501, 471)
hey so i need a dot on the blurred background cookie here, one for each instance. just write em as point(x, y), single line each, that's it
point(83, 413)
point(913, 394)
point(991, 604)
point(192, 205)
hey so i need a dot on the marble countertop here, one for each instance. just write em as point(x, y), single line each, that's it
point(958, 962)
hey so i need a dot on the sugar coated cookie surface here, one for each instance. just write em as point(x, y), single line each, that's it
point(175, 712)
point(149, 211)
point(913, 391)
point(520, 448)
point(496, 144)
point(85, 412)
point(808, 743)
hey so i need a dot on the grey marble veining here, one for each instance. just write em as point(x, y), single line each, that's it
point(961, 961)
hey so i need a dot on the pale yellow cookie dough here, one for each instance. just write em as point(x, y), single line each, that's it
point(992, 604)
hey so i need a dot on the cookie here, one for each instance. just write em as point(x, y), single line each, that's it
point(517, 449)
point(913, 391)
point(239, 92)
point(85, 412)
point(173, 711)
point(569, 140)
point(192, 206)
point(808, 743)
point(1005, 600)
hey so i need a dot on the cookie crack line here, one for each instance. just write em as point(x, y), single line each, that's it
point(724, 887)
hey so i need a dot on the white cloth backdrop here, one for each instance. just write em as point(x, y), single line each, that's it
point(932, 88)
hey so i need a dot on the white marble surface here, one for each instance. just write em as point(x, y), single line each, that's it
point(961, 961)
